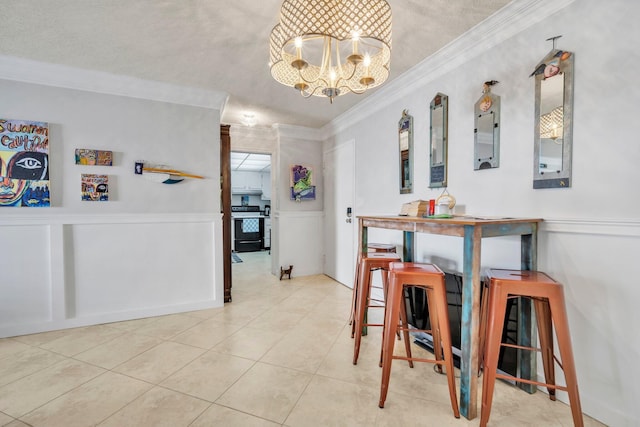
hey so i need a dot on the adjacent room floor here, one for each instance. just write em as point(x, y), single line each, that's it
point(279, 354)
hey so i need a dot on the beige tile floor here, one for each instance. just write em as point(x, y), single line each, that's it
point(279, 354)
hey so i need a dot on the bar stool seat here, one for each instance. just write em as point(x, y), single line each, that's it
point(431, 279)
point(548, 299)
point(371, 262)
point(381, 247)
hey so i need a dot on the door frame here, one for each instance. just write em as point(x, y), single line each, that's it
point(225, 207)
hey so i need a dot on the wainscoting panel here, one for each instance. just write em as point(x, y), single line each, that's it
point(83, 270)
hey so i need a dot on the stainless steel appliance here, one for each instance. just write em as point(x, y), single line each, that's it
point(248, 228)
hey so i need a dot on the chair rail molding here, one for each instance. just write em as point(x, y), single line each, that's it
point(73, 219)
point(607, 227)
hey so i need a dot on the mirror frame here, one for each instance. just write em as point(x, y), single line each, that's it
point(405, 130)
point(488, 104)
point(438, 171)
point(565, 65)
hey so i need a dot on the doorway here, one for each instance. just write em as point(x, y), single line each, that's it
point(250, 209)
point(254, 140)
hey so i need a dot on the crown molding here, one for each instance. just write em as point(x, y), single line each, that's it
point(512, 19)
point(299, 132)
point(29, 71)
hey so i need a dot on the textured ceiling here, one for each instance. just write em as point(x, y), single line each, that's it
point(212, 44)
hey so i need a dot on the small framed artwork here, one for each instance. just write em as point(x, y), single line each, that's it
point(85, 156)
point(302, 187)
point(95, 187)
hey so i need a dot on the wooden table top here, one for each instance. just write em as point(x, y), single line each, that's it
point(456, 219)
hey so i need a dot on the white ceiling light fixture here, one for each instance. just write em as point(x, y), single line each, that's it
point(249, 119)
point(332, 47)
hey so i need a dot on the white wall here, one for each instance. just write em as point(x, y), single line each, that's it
point(298, 226)
point(591, 232)
point(151, 249)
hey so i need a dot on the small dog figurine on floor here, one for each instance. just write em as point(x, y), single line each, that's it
point(285, 271)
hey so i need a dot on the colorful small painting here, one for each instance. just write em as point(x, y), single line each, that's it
point(302, 187)
point(85, 156)
point(95, 188)
point(24, 163)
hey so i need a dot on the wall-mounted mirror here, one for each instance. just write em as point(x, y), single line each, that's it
point(486, 146)
point(438, 152)
point(553, 137)
point(405, 137)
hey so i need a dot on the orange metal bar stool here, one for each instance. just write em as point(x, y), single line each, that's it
point(431, 279)
point(371, 247)
point(371, 262)
point(548, 299)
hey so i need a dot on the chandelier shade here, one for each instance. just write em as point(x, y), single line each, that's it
point(332, 47)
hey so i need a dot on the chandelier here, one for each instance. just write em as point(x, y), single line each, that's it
point(332, 47)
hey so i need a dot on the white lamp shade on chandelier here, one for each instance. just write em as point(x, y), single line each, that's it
point(333, 47)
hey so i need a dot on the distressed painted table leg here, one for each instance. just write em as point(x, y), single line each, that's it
point(526, 323)
point(362, 246)
point(362, 252)
point(408, 247)
point(470, 325)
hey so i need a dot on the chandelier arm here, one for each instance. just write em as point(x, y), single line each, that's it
point(356, 91)
point(353, 73)
point(317, 82)
point(339, 67)
point(310, 94)
point(319, 79)
point(353, 90)
point(323, 67)
point(302, 93)
point(326, 55)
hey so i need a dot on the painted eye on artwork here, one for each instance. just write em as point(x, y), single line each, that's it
point(29, 163)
